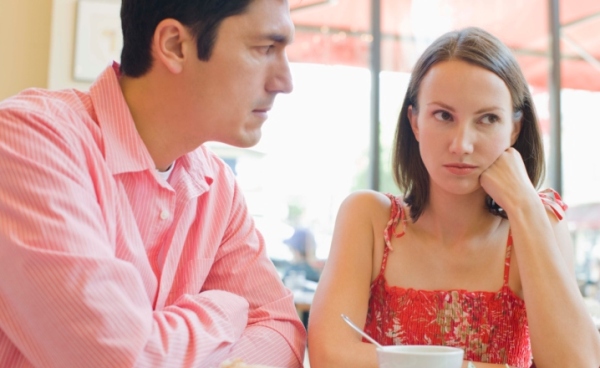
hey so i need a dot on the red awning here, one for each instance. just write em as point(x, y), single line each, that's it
point(337, 32)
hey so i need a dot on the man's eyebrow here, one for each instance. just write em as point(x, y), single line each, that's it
point(276, 37)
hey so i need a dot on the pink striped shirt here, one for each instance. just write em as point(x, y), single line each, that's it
point(105, 264)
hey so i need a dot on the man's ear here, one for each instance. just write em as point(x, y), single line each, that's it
point(171, 44)
point(412, 118)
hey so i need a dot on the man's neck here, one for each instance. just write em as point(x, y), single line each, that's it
point(151, 118)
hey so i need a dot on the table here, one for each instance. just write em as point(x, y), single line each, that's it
point(303, 301)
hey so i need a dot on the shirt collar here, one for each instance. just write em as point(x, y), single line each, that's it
point(196, 165)
point(124, 149)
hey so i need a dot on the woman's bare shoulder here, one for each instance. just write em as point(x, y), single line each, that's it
point(369, 199)
point(367, 206)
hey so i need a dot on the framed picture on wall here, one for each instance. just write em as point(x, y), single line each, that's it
point(98, 37)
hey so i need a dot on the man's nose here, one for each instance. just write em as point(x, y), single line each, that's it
point(281, 79)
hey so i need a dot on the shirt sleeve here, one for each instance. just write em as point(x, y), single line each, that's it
point(275, 335)
point(67, 299)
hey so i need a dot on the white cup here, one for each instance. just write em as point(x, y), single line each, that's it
point(419, 356)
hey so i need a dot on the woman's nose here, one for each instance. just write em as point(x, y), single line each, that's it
point(462, 140)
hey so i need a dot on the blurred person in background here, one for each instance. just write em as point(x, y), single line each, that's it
point(303, 246)
point(304, 265)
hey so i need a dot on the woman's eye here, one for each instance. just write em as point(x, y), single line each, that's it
point(490, 119)
point(443, 115)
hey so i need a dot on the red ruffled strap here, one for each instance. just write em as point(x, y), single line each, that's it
point(396, 217)
point(552, 199)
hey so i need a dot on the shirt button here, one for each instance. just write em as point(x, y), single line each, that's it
point(164, 214)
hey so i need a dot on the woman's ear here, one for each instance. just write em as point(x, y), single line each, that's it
point(412, 118)
point(170, 44)
point(517, 124)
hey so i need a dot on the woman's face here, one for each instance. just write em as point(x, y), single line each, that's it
point(463, 123)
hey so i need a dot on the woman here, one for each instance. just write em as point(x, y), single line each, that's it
point(472, 256)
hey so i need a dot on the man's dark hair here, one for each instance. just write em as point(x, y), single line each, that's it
point(139, 19)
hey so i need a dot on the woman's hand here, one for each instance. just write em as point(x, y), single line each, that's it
point(507, 182)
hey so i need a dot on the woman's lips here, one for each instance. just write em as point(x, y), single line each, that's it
point(460, 169)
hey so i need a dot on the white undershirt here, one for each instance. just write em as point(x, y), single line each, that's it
point(165, 174)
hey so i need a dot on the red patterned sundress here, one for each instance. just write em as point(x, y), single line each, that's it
point(491, 327)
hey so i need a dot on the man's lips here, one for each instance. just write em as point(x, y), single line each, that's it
point(263, 108)
point(263, 113)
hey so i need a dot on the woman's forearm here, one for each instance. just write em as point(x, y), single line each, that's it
point(561, 330)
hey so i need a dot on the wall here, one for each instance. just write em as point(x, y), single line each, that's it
point(64, 16)
point(37, 43)
point(24, 44)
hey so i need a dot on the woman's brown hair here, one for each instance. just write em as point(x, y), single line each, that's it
point(477, 47)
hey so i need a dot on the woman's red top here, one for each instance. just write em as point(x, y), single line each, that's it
point(491, 327)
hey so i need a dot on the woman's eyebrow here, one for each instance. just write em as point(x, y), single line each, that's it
point(441, 104)
point(480, 111)
point(489, 109)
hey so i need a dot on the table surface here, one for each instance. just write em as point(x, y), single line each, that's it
point(303, 300)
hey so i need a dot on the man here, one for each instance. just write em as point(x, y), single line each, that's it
point(123, 240)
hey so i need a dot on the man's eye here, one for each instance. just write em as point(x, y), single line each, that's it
point(266, 49)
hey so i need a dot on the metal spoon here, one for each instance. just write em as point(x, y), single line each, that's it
point(355, 327)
